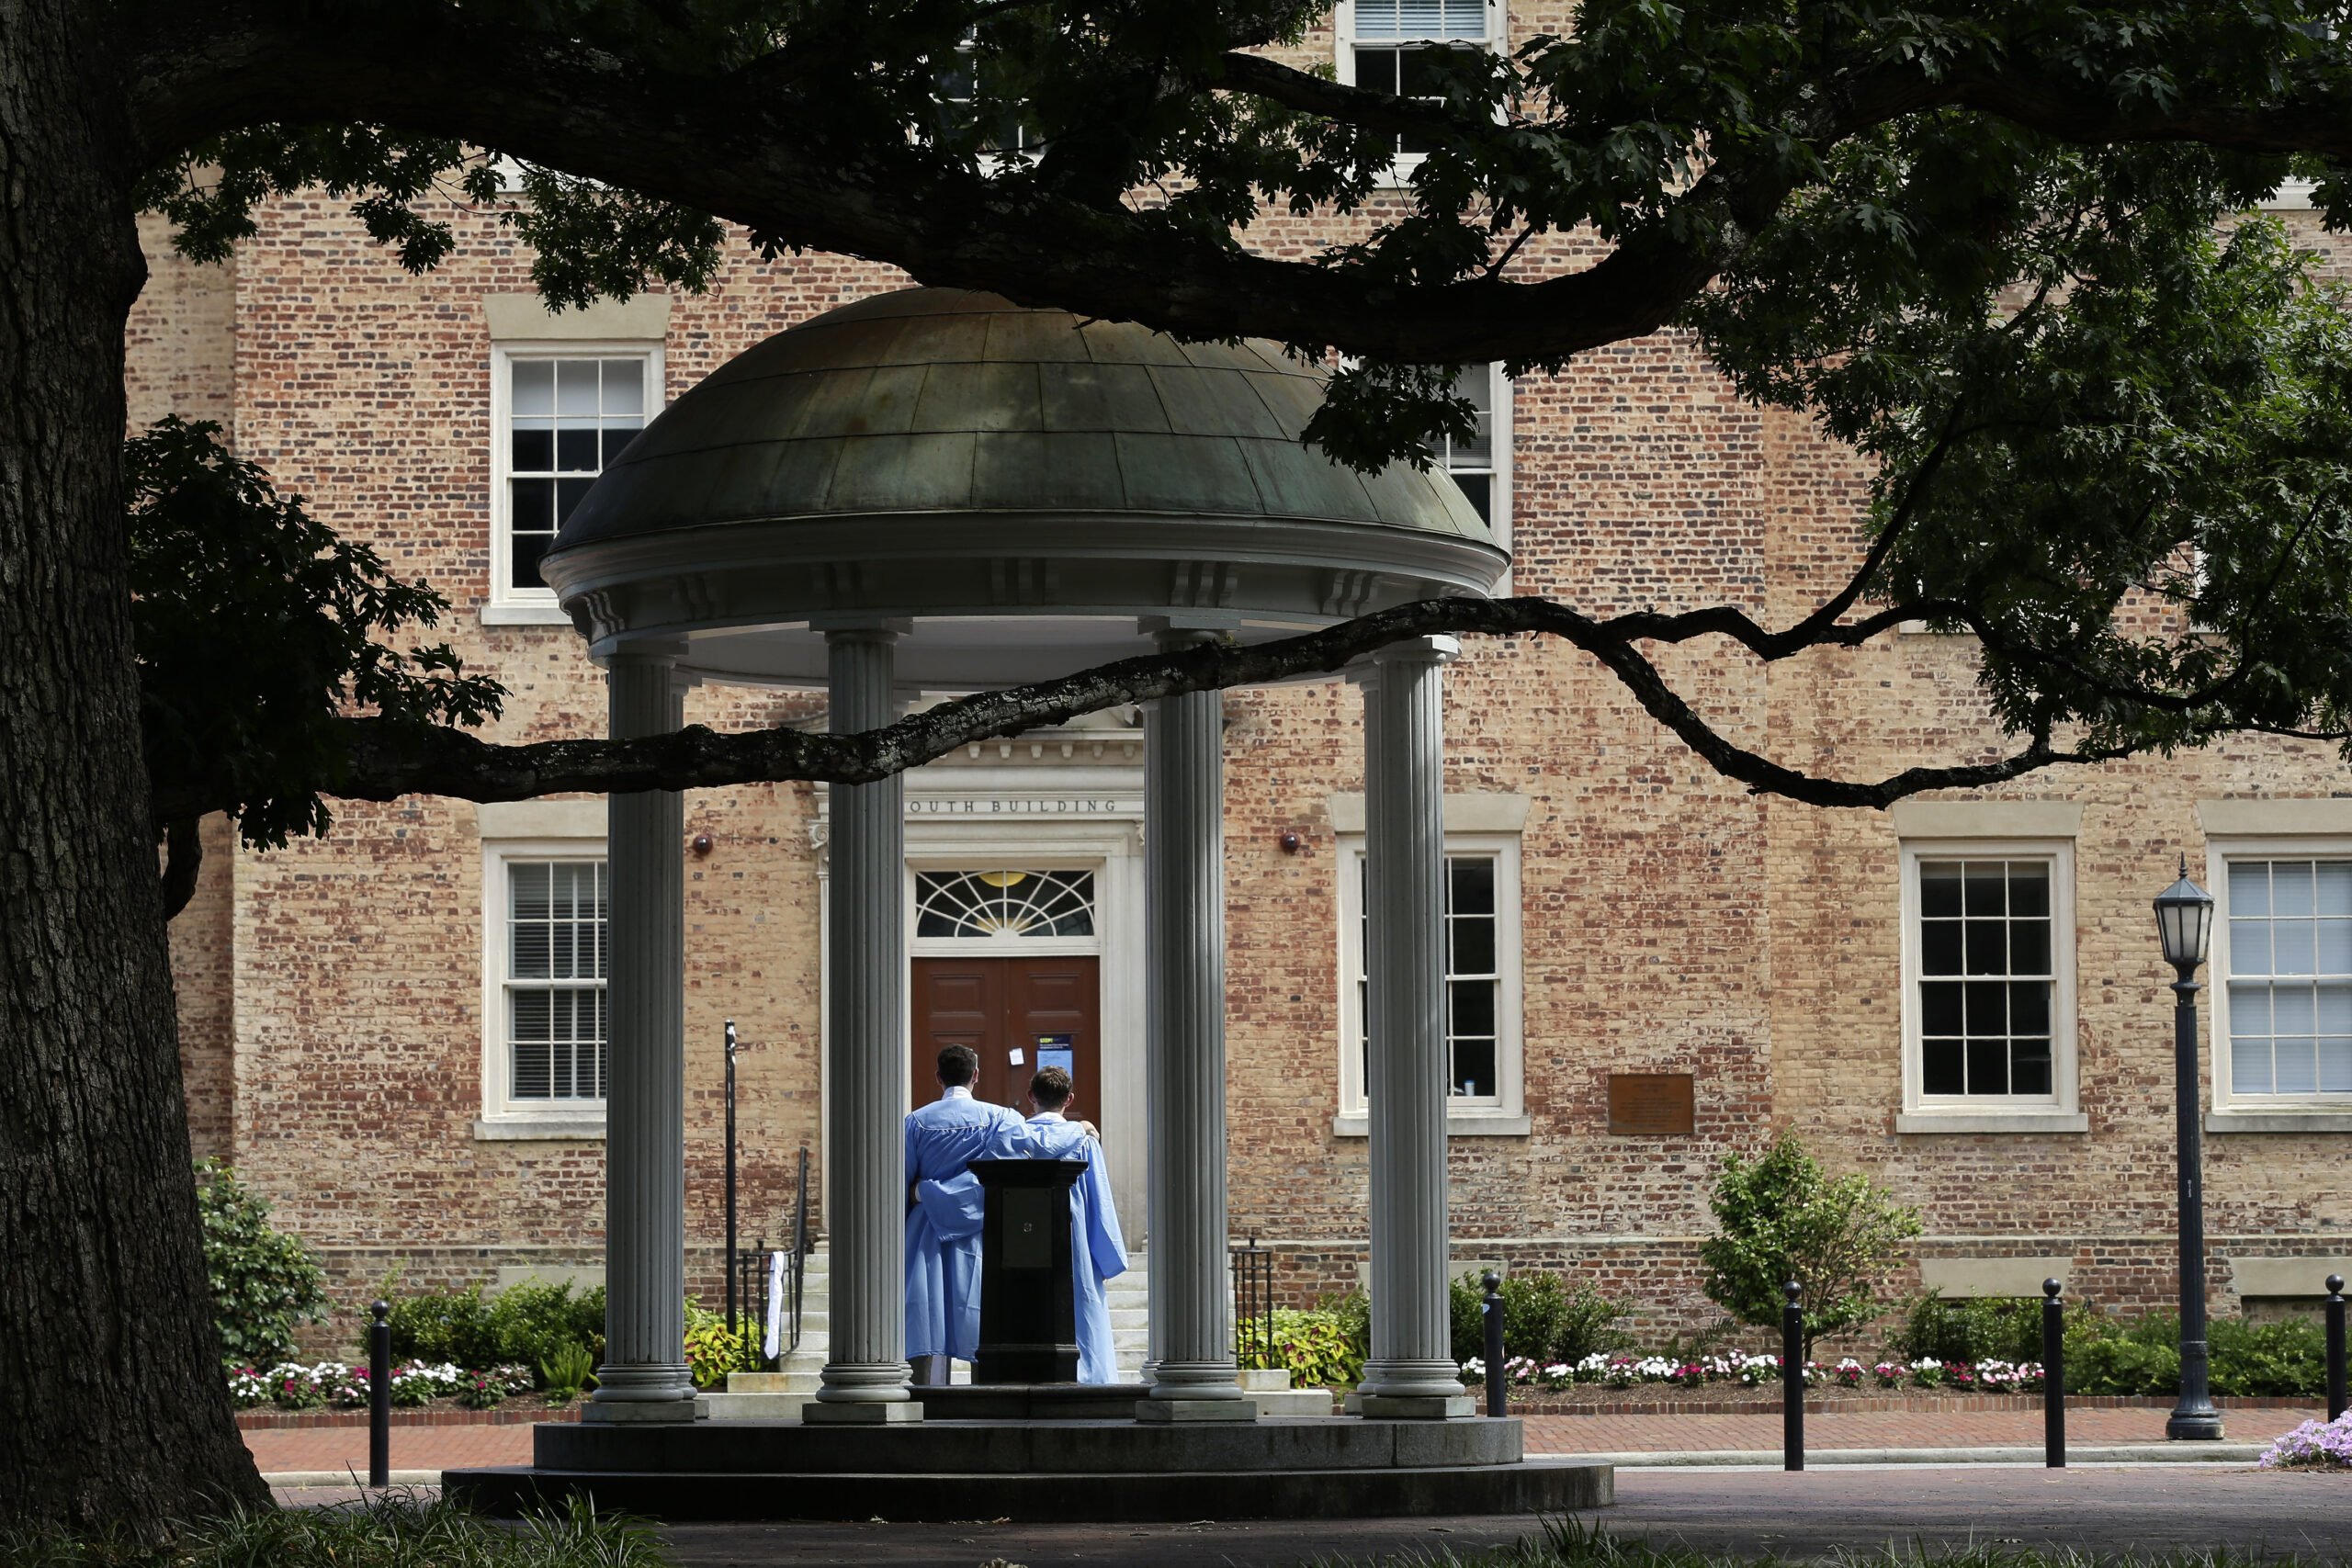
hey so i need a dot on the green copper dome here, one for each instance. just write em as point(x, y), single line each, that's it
point(938, 456)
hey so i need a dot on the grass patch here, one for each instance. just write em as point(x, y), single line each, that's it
point(1571, 1542)
point(395, 1531)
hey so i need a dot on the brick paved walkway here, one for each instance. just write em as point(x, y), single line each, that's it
point(439, 1448)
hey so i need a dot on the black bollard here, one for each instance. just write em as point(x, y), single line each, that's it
point(1498, 1379)
point(1791, 1379)
point(379, 1397)
point(2053, 1377)
point(2335, 1345)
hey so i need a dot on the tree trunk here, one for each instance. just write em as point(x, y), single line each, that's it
point(113, 1411)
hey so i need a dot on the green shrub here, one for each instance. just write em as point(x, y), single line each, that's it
point(2289, 1357)
point(1352, 1310)
point(565, 1371)
point(2107, 1356)
point(712, 1352)
point(1315, 1346)
point(526, 1324)
point(1543, 1319)
point(1782, 1217)
point(1968, 1331)
point(263, 1280)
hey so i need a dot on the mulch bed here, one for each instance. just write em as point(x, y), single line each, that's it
point(1766, 1400)
point(523, 1411)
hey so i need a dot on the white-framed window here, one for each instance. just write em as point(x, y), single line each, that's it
point(957, 82)
point(2281, 967)
point(1481, 465)
point(560, 412)
point(546, 955)
point(1384, 44)
point(1988, 986)
point(1485, 1050)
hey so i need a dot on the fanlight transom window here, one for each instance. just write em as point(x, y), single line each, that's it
point(999, 904)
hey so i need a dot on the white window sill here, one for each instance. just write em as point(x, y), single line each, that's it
point(1458, 1125)
point(540, 1129)
point(2042, 1121)
point(548, 615)
point(2301, 1119)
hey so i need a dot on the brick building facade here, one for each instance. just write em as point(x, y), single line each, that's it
point(347, 1006)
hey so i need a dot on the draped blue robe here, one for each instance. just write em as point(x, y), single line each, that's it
point(943, 1251)
point(1098, 1250)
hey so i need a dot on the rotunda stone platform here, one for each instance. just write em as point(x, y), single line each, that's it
point(1301, 1467)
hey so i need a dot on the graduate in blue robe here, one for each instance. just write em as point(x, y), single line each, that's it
point(943, 1243)
point(1098, 1252)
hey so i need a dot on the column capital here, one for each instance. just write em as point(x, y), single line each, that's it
point(842, 626)
point(1440, 649)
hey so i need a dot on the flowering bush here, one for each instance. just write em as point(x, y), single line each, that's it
point(296, 1387)
point(2315, 1445)
point(1848, 1374)
point(1890, 1374)
point(487, 1391)
point(247, 1388)
point(1757, 1371)
point(416, 1382)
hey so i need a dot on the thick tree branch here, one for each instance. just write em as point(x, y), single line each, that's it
point(390, 761)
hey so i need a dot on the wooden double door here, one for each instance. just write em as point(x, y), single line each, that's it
point(1019, 1014)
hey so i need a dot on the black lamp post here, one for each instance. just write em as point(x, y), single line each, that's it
point(2185, 922)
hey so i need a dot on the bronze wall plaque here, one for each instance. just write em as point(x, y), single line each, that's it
point(1651, 1105)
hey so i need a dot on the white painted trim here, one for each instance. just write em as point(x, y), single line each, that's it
point(2061, 1111)
point(504, 1119)
point(1506, 1114)
point(1463, 813)
point(1399, 174)
point(2276, 817)
point(503, 604)
point(526, 318)
point(543, 819)
point(1987, 818)
point(2267, 832)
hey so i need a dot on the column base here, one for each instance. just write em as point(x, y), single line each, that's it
point(633, 1411)
point(860, 1412)
point(1196, 1410)
point(2194, 1425)
point(1413, 1406)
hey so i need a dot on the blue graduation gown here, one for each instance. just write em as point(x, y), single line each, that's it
point(1098, 1252)
point(942, 1252)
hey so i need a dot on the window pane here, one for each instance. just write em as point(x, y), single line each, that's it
point(569, 493)
point(1988, 1066)
point(1939, 1009)
point(533, 388)
point(2290, 887)
point(1471, 945)
point(532, 1015)
point(534, 450)
point(1474, 1069)
point(2029, 888)
point(2249, 1010)
point(2029, 1066)
point(2334, 955)
point(1988, 1009)
point(2335, 890)
point(576, 450)
point(1470, 885)
point(616, 440)
point(2292, 1010)
point(1939, 947)
point(624, 388)
point(529, 891)
point(2249, 1065)
point(1938, 888)
point(575, 387)
point(2029, 947)
point(1986, 887)
point(2335, 1009)
point(2029, 1007)
point(1478, 490)
point(2250, 887)
point(1473, 1008)
point(1376, 69)
point(1940, 1070)
point(2335, 1063)
point(1987, 947)
point(2297, 1071)
point(534, 1071)
point(2293, 946)
point(2249, 946)
point(528, 548)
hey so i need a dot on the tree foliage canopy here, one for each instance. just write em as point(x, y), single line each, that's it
point(1996, 247)
point(1781, 1217)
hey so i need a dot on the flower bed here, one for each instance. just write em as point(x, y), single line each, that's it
point(1626, 1371)
point(339, 1385)
point(2315, 1445)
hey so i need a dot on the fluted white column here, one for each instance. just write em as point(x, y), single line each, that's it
point(1411, 1372)
point(866, 1055)
point(644, 1376)
point(1191, 1307)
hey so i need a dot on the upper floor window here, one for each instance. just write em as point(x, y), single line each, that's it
point(2288, 1006)
point(1477, 464)
point(957, 84)
point(561, 417)
point(1385, 44)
